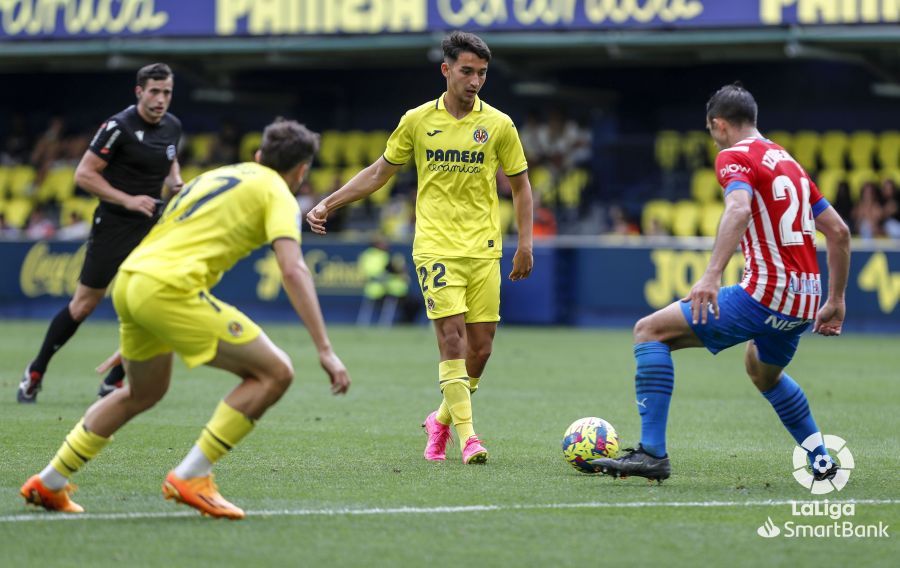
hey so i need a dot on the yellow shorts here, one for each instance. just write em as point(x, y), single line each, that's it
point(156, 318)
point(454, 286)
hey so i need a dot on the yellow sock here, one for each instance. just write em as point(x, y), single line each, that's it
point(455, 387)
point(443, 412)
point(224, 430)
point(79, 448)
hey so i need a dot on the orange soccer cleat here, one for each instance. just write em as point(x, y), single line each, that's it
point(36, 493)
point(202, 494)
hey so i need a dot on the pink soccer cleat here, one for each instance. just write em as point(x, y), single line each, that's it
point(438, 436)
point(474, 452)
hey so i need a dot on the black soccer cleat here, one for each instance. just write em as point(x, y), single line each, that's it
point(827, 474)
point(634, 462)
point(29, 386)
point(106, 389)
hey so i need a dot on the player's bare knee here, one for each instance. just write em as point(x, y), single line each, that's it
point(81, 308)
point(645, 330)
point(280, 379)
point(453, 345)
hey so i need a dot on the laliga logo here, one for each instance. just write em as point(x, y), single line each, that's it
point(822, 463)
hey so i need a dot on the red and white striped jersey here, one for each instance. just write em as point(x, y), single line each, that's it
point(781, 270)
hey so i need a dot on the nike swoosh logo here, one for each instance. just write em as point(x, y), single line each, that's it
point(434, 132)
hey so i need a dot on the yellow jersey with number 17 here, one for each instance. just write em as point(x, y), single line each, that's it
point(457, 211)
point(217, 219)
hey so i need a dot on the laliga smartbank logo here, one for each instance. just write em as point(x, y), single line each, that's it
point(839, 525)
point(822, 463)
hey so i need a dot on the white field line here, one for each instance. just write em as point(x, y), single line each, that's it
point(41, 516)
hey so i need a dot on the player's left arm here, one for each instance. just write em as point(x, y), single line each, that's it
point(523, 261)
point(735, 219)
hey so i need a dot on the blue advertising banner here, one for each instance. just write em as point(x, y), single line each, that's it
point(79, 19)
point(609, 284)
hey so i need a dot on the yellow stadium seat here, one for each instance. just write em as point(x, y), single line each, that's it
point(833, 149)
point(783, 139)
point(330, 150)
point(668, 148)
point(354, 148)
point(322, 180)
point(20, 181)
point(704, 185)
point(656, 212)
point(857, 178)
point(541, 183)
point(383, 195)
point(806, 149)
point(201, 146)
point(862, 149)
point(712, 150)
point(189, 172)
point(571, 186)
point(694, 148)
point(893, 175)
point(4, 178)
point(685, 219)
point(249, 145)
point(889, 149)
point(58, 184)
point(81, 205)
point(710, 213)
point(376, 141)
point(17, 211)
point(828, 181)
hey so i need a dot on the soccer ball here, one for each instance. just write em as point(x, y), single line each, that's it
point(587, 439)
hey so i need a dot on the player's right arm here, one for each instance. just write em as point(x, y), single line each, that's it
point(298, 284)
point(89, 176)
point(830, 317)
point(363, 184)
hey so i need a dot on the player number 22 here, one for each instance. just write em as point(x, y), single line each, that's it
point(438, 280)
point(784, 188)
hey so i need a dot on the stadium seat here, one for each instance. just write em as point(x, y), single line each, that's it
point(249, 145)
point(58, 185)
point(571, 186)
point(862, 149)
point(322, 180)
point(889, 150)
point(17, 211)
point(81, 205)
point(330, 148)
point(659, 212)
point(668, 149)
point(189, 172)
point(893, 175)
point(694, 149)
point(383, 195)
point(685, 219)
point(828, 181)
point(376, 141)
point(833, 149)
point(541, 183)
point(4, 178)
point(783, 139)
point(201, 145)
point(806, 149)
point(710, 213)
point(704, 186)
point(355, 148)
point(857, 178)
point(20, 182)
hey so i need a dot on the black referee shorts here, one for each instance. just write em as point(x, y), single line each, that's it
point(112, 239)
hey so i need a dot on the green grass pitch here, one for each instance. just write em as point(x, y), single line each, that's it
point(344, 482)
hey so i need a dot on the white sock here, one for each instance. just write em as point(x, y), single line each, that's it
point(52, 479)
point(195, 464)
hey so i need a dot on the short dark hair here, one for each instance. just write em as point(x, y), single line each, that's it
point(155, 71)
point(287, 143)
point(458, 42)
point(734, 103)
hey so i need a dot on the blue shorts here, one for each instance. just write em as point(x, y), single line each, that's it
point(742, 318)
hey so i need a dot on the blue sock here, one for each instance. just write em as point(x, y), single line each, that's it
point(653, 383)
point(790, 403)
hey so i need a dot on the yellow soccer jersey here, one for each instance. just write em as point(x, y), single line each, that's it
point(457, 212)
point(216, 220)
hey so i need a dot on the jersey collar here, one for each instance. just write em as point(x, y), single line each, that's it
point(478, 106)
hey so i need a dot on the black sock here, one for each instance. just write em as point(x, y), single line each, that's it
point(61, 329)
point(115, 375)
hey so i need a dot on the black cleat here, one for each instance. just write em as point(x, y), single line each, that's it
point(106, 389)
point(634, 462)
point(827, 474)
point(29, 386)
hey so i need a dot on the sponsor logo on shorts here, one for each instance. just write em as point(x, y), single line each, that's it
point(235, 329)
point(430, 303)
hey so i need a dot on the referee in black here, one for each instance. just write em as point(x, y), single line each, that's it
point(130, 158)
